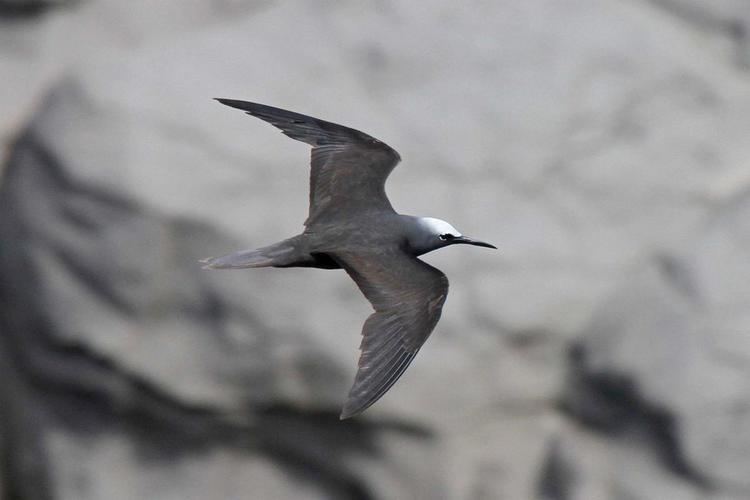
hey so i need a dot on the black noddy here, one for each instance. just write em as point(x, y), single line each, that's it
point(351, 225)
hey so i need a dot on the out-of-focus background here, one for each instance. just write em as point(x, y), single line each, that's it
point(602, 353)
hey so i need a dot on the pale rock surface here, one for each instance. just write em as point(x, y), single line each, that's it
point(581, 137)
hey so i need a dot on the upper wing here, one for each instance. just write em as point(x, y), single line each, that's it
point(407, 295)
point(349, 168)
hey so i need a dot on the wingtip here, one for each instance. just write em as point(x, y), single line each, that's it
point(251, 108)
point(347, 414)
point(352, 408)
point(232, 103)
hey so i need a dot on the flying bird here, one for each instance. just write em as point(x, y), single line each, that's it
point(351, 225)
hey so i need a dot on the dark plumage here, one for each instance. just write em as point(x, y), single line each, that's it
point(352, 225)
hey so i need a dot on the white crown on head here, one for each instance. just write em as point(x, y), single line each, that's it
point(437, 226)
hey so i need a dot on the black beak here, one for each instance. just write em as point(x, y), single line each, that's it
point(469, 241)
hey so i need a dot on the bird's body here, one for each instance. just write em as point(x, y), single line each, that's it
point(352, 225)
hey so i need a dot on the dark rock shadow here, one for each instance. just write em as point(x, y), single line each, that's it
point(31, 9)
point(612, 404)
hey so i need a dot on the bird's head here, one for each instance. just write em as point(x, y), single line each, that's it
point(435, 233)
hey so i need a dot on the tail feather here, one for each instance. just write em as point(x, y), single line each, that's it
point(274, 255)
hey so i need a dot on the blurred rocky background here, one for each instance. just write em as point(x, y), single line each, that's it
point(602, 353)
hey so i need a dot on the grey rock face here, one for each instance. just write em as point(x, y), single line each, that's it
point(667, 355)
point(583, 137)
point(728, 19)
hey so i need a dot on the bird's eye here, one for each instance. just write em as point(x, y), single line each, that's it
point(446, 237)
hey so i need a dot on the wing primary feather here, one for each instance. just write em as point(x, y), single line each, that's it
point(313, 131)
point(375, 368)
point(355, 404)
point(395, 369)
point(407, 295)
point(375, 354)
point(348, 168)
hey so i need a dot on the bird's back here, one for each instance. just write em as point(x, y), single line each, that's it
point(363, 231)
